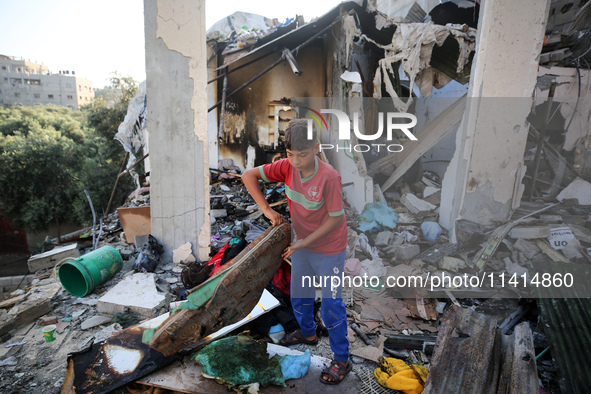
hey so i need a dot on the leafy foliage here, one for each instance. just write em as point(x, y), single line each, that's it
point(49, 155)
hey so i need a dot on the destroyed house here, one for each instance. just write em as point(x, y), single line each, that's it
point(343, 55)
point(495, 189)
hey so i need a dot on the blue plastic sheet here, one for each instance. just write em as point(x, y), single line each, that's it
point(295, 367)
point(431, 231)
point(377, 216)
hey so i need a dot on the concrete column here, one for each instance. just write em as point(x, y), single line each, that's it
point(483, 181)
point(177, 123)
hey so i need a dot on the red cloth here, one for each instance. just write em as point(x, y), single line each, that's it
point(311, 201)
point(282, 278)
point(217, 259)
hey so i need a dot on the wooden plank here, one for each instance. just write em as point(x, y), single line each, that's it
point(11, 301)
point(427, 137)
point(518, 372)
point(553, 254)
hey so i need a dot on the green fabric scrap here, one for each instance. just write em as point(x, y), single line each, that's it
point(240, 360)
point(125, 319)
point(148, 334)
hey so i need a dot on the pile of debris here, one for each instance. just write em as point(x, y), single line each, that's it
point(392, 242)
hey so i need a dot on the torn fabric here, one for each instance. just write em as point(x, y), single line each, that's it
point(412, 44)
point(132, 132)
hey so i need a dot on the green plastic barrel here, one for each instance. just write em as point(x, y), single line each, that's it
point(82, 275)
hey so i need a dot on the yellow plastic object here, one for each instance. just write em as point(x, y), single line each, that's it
point(397, 375)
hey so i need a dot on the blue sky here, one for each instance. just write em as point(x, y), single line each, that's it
point(95, 38)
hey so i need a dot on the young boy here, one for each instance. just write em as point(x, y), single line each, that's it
point(313, 190)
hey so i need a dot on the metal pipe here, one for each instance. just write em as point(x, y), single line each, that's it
point(239, 67)
point(287, 55)
point(134, 164)
point(556, 154)
point(223, 107)
point(93, 218)
point(100, 234)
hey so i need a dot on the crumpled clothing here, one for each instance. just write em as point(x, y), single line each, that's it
point(352, 267)
point(282, 278)
point(217, 259)
point(237, 245)
point(363, 244)
point(397, 375)
point(408, 236)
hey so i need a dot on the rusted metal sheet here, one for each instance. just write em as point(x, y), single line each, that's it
point(115, 362)
point(467, 354)
point(472, 356)
point(234, 296)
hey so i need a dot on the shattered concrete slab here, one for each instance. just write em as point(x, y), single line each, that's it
point(135, 294)
point(578, 189)
point(532, 232)
point(94, 321)
point(51, 258)
point(415, 204)
point(36, 305)
point(406, 251)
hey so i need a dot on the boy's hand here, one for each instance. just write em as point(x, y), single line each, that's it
point(294, 247)
point(273, 216)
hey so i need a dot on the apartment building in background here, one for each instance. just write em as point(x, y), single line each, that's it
point(26, 83)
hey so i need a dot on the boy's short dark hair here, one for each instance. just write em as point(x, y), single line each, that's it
point(296, 135)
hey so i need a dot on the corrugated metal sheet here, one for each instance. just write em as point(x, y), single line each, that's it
point(472, 356)
point(567, 324)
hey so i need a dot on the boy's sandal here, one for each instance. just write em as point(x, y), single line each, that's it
point(336, 371)
point(295, 338)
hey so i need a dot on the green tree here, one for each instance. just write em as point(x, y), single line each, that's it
point(49, 155)
point(41, 152)
point(104, 118)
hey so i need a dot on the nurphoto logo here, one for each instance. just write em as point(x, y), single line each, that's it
point(344, 127)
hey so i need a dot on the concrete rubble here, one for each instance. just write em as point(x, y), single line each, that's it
point(123, 297)
point(51, 258)
point(489, 333)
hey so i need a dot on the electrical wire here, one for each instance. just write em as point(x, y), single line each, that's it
point(578, 96)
